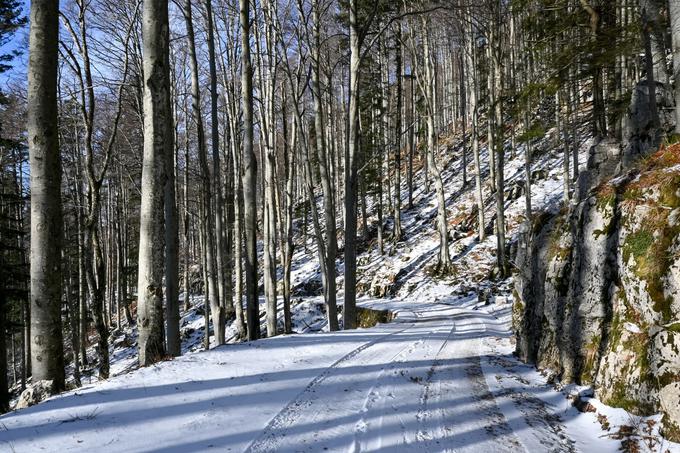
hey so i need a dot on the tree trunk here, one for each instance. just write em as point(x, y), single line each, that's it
point(218, 310)
point(267, 77)
point(238, 245)
point(562, 142)
point(249, 176)
point(287, 248)
point(397, 230)
point(331, 245)
point(411, 138)
point(82, 293)
point(444, 263)
point(647, 28)
point(158, 138)
point(171, 257)
point(206, 221)
point(675, 31)
point(4, 394)
point(351, 156)
point(527, 166)
point(498, 145)
point(47, 358)
point(474, 108)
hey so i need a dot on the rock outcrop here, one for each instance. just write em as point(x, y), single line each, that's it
point(597, 297)
point(35, 393)
point(598, 291)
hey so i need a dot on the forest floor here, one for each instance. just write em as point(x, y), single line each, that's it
point(439, 377)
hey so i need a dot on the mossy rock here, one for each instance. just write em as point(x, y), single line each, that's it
point(590, 360)
point(651, 243)
point(368, 317)
point(670, 430)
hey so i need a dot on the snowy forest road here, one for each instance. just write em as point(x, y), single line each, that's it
point(418, 388)
point(438, 378)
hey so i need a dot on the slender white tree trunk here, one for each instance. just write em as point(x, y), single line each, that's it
point(219, 309)
point(429, 91)
point(331, 245)
point(351, 156)
point(474, 108)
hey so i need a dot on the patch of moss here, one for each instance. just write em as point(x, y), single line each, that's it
point(637, 244)
point(667, 378)
point(668, 187)
point(590, 359)
point(608, 229)
point(605, 197)
point(555, 249)
point(615, 330)
point(674, 327)
point(632, 192)
point(368, 317)
point(637, 344)
point(518, 310)
point(561, 253)
point(652, 260)
point(670, 430)
point(672, 139)
point(620, 398)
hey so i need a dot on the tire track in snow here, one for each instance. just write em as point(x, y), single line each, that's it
point(546, 430)
point(286, 417)
point(423, 413)
point(450, 433)
point(384, 396)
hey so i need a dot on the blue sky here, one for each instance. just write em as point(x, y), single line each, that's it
point(18, 41)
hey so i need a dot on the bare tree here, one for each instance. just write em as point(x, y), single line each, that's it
point(249, 176)
point(158, 143)
point(47, 359)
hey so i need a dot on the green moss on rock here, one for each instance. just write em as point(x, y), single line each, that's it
point(368, 317)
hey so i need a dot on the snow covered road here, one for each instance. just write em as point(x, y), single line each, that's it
point(439, 378)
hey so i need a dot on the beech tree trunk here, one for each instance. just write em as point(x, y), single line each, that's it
point(249, 177)
point(351, 157)
point(331, 245)
point(158, 144)
point(474, 108)
point(47, 358)
point(397, 230)
point(206, 225)
point(429, 92)
point(288, 202)
point(219, 309)
point(498, 145)
point(174, 343)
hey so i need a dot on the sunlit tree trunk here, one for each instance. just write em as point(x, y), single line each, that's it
point(158, 143)
point(249, 177)
point(351, 156)
point(47, 358)
point(326, 185)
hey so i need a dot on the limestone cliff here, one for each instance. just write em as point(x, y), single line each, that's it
point(597, 296)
